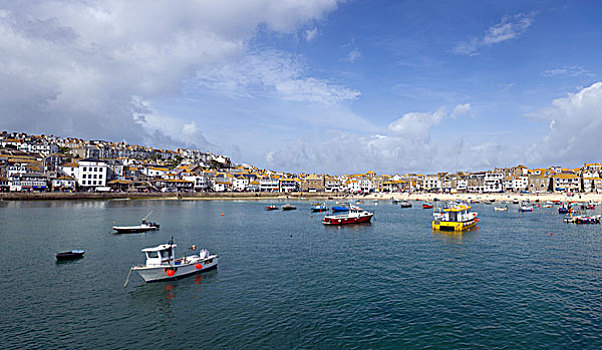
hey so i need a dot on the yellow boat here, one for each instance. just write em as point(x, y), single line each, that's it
point(456, 218)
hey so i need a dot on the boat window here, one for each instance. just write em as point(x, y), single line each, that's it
point(152, 255)
point(208, 261)
point(165, 254)
point(453, 216)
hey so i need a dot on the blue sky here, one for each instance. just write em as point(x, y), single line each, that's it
point(316, 85)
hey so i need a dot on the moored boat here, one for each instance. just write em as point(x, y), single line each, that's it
point(564, 210)
point(505, 208)
point(406, 204)
point(318, 207)
point(427, 206)
point(161, 263)
point(70, 255)
point(582, 219)
point(288, 206)
point(143, 227)
point(356, 215)
point(525, 208)
point(455, 218)
point(271, 207)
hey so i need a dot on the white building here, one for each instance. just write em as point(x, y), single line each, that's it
point(240, 184)
point(493, 182)
point(200, 182)
point(89, 173)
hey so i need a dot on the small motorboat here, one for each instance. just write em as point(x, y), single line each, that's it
point(564, 210)
point(525, 208)
point(505, 208)
point(70, 255)
point(318, 207)
point(427, 206)
point(288, 206)
point(395, 201)
point(143, 227)
point(355, 215)
point(583, 220)
point(271, 207)
point(406, 204)
point(161, 263)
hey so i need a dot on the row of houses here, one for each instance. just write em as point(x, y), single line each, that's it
point(49, 163)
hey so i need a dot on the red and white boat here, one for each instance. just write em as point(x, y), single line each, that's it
point(355, 215)
point(427, 206)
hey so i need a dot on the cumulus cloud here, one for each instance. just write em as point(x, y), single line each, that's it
point(74, 67)
point(510, 27)
point(405, 145)
point(575, 126)
point(462, 110)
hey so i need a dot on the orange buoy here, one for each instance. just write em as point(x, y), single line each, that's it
point(222, 214)
point(550, 233)
point(198, 266)
point(170, 272)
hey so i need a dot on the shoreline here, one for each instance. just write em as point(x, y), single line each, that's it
point(258, 196)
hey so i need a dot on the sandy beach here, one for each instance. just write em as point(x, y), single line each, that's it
point(497, 197)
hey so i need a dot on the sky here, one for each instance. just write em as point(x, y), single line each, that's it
point(313, 85)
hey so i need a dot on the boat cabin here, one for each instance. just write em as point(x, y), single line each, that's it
point(163, 254)
point(458, 213)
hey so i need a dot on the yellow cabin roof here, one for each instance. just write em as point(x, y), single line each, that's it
point(458, 208)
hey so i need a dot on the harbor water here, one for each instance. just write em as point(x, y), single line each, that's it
point(285, 281)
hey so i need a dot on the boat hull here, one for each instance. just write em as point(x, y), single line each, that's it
point(454, 226)
point(69, 255)
point(161, 273)
point(347, 221)
point(134, 229)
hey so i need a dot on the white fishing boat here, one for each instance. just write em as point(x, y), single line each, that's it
point(143, 227)
point(161, 263)
point(505, 208)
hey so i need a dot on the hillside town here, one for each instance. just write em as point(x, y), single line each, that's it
point(47, 163)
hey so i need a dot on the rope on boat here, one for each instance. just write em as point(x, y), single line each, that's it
point(127, 280)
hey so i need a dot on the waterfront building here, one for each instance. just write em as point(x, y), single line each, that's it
point(538, 183)
point(566, 183)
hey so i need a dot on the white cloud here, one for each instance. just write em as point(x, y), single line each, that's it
point(272, 73)
point(310, 34)
point(571, 71)
point(406, 145)
point(462, 110)
point(575, 126)
point(510, 27)
point(73, 67)
point(353, 55)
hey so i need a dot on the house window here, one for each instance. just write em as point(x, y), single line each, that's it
point(84, 168)
point(95, 169)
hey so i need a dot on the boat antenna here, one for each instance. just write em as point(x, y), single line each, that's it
point(171, 241)
point(149, 214)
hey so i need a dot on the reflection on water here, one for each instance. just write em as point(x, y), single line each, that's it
point(457, 237)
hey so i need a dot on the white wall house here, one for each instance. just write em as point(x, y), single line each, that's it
point(91, 173)
point(201, 183)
